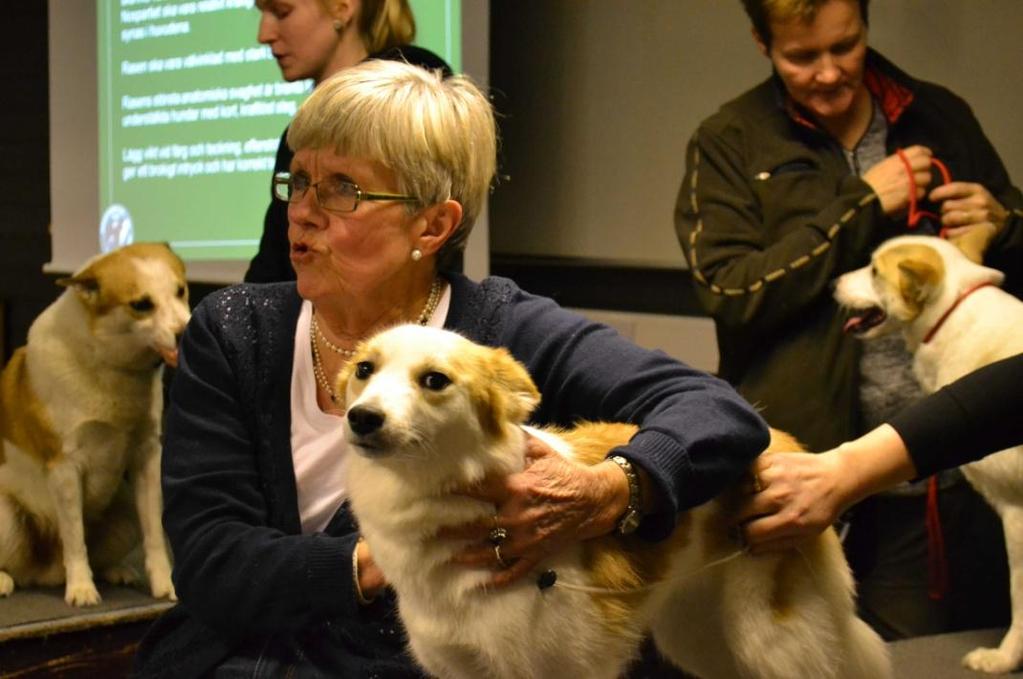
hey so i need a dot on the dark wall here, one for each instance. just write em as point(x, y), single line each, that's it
point(25, 172)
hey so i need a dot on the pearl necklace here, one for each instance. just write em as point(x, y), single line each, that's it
point(436, 289)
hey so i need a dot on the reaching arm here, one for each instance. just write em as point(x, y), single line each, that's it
point(803, 493)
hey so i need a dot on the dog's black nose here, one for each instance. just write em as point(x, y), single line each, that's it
point(365, 420)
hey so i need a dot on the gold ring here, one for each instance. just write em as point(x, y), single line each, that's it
point(758, 485)
point(497, 535)
point(500, 562)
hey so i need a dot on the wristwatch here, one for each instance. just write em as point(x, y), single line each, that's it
point(631, 517)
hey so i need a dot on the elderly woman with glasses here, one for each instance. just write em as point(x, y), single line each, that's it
point(392, 165)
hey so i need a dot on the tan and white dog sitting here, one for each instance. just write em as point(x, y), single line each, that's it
point(80, 409)
point(954, 320)
point(429, 411)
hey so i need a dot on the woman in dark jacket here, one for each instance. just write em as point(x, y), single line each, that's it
point(392, 165)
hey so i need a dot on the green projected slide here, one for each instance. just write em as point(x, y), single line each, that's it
point(191, 109)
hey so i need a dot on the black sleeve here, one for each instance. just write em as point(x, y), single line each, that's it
point(974, 416)
point(271, 263)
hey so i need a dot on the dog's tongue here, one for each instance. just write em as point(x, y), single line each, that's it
point(852, 323)
point(862, 322)
point(170, 356)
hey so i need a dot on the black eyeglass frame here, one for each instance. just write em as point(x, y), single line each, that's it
point(282, 182)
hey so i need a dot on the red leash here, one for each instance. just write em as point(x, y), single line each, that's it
point(937, 562)
point(915, 213)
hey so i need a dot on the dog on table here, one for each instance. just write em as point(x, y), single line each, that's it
point(80, 409)
point(954, 319)
point(430, 411)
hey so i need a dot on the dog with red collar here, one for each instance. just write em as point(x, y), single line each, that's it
point(954, 318)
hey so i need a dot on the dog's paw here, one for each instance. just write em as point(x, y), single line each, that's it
point(990, 660)
point(163, 588)
point(82, 594)
point(6, 584)
point(122, 575)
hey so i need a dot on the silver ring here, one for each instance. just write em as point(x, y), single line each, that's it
point(497, 535)
point(497, 553)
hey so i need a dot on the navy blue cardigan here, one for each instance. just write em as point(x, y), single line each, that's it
point(243, 570)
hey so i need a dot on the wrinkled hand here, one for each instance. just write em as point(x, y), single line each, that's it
point(551, 504)
point(965, 205)
point(801, 495)
point(971, 216)
point(891, 182)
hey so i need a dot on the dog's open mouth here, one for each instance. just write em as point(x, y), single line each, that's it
point(862, 320)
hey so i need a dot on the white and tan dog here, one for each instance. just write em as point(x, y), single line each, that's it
point(429, 411)
point(80, 409)
point(954, 319)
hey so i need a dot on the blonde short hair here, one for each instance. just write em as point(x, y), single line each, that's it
point(436, 134)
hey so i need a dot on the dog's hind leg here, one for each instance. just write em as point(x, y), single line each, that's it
point(1009, 654)
point(777, 629)
point(114, 542)
point(798, 619)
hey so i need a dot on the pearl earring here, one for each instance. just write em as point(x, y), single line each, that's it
point(338, 25)
point(417, 254)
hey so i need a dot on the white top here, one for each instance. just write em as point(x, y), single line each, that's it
point(317, 438)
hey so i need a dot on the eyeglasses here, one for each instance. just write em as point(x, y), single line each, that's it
point(333, 194)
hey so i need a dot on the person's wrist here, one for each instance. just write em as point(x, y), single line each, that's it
point(630, 517)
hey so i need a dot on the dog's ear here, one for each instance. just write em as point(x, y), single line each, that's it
point(921, 271)
point(85, 284)
point(509, 395)
point(515, 380)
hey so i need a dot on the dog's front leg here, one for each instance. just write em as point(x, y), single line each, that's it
point(1009, 654)
point(65, 486)
point(149, 505)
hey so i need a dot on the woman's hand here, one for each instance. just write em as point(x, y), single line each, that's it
point(966, 205)
point(369, 578)
point(801, 495)
point(890, 180)
point(970, 215)
point(551, 504)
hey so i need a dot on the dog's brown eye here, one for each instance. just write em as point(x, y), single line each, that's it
point(181, 291)
point(363, 370)
point(141, 305)
point(434, 381)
